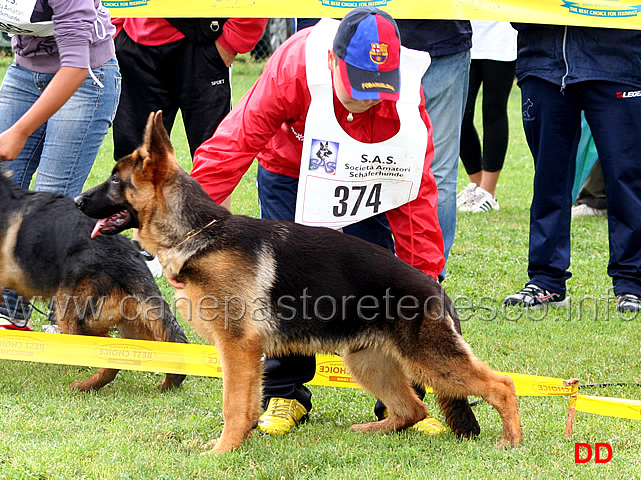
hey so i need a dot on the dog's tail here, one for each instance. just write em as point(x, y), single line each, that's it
point(170, 326)
point(458, 411)
point(175, 333)
point(459, 416)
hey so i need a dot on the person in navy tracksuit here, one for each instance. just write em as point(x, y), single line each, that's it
point(562, 71)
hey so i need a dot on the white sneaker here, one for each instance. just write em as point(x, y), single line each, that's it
point(51, 328)
point(465, 194)
point(152, 262)
point(155, 267)
point(584, 211)
point(480, 201)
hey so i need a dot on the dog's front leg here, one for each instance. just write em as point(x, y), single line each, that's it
point(242, 373)
point(98, 380)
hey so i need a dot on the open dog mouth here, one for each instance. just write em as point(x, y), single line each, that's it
point(112, 224)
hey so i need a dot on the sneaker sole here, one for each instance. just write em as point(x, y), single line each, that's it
point(628, 310)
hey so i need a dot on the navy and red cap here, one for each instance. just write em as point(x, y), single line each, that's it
point(368, 48)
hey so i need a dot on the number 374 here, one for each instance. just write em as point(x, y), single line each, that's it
point(350, 200)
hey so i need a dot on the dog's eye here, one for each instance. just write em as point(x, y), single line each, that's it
point(115, 179)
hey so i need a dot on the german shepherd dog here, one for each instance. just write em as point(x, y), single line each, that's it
point(297, 290)
point(46, 251)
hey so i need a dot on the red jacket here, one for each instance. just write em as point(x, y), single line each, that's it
point(240, 35)
point(268, 124)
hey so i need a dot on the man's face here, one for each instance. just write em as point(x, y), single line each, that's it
point(351, 104)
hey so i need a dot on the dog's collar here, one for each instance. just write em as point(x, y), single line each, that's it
point(193, 233)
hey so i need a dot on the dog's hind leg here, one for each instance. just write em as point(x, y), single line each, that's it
point(67, 312)
point(98, 380)
point(460, 376)
point(242, 374)
point(153, 320)
point(380, 374)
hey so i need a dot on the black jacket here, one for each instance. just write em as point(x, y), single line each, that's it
point(437, 37)
point(564, 55)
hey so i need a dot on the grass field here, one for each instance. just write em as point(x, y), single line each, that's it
point(130, 430)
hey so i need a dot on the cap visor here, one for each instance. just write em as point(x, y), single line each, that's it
point(366, 85)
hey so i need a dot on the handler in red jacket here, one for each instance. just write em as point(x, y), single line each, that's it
point(339, 144)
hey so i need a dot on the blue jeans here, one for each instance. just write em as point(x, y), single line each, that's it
point(445, 86)
point(64, 149)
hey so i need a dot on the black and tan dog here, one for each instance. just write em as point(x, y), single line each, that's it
point(281, 288)
point(96, 284)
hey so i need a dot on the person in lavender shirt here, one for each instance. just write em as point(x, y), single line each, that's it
point(57, 101)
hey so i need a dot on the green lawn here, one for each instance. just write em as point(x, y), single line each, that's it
point(130, 430)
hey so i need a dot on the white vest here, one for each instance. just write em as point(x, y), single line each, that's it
point(15, 18)
point(342, 180)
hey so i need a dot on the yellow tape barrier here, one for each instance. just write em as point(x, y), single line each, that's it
point(610, 407)
point(597, 13)
point(203, 360)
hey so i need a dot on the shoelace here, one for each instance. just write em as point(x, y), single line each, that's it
point(532, 290)
point(628, 297)
point(281, 409)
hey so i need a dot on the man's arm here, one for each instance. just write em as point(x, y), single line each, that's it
point(280, 94)
point(240, 35)
point(417, 233)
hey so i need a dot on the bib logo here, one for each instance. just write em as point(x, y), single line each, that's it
point(323, 155)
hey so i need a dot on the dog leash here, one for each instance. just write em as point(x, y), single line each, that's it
point(194, 232)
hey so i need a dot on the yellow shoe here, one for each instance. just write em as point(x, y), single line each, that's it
point(281, 415)
point(428, 426)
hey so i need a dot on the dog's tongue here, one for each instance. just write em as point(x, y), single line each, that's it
point(115, 221)
point(97, 227)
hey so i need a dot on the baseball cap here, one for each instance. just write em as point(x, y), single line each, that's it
point(368, 48)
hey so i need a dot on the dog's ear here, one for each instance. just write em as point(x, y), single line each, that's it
point(157, 148)
point(156, 139)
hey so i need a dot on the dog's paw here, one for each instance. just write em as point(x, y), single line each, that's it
point(505, 443)
point(218, 447)
point(372, 427)
point(171, 381)
point(81, 386)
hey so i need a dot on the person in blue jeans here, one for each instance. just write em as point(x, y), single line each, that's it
point(57, 101)
point(564, 71)
point(445, 86)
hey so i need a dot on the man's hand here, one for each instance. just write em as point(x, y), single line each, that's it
point(227, 57)
point(172, 281)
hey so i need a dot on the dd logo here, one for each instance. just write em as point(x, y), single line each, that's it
point(578, 458)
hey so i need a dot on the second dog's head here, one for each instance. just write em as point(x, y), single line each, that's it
point(132, 190)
